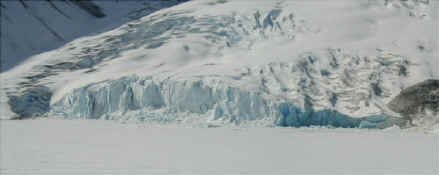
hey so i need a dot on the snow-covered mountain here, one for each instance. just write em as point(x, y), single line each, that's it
point(32, 27)
point(285, 63)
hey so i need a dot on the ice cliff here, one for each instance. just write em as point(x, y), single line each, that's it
point(121, 98)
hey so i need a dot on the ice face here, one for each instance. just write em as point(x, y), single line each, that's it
point(220, 102)
point(132, 93)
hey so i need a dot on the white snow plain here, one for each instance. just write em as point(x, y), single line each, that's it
point(106, 147)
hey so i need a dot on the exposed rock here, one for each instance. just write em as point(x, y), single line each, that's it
point(418, 100)
point(32, 102)
point(90, 7)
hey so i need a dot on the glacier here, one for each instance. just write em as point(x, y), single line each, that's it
point(233, 105)
point(271, 63)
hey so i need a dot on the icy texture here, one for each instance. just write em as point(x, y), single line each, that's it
point(223, 103)
point(132, 93)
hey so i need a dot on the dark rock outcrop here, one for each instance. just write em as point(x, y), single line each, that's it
point(90, 7)
point(32, 102)
point(414, 101)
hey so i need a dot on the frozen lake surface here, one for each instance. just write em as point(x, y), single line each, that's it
point(105, 147)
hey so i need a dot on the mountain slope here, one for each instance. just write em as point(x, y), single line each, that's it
point(32, 27)
point(259, 62)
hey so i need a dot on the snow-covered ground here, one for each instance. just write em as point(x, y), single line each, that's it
point(45, 147)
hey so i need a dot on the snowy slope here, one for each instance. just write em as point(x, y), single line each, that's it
point(32, 27)
point(288, 63)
